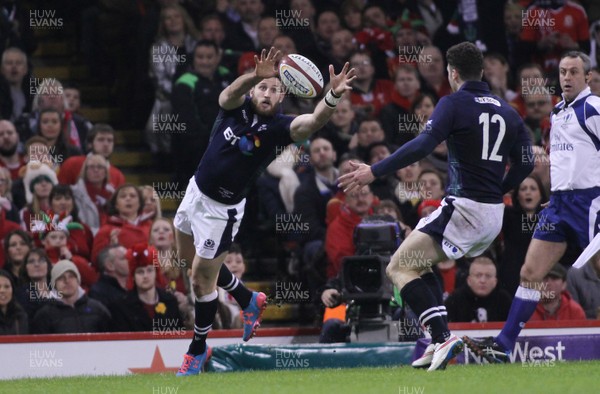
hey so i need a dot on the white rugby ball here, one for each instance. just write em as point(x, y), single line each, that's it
point(300, 76)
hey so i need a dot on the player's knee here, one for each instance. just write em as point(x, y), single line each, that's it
point(394, 267)
point(530, 274)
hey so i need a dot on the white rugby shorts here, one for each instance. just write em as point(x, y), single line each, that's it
point(212, 224)
point(463, 227)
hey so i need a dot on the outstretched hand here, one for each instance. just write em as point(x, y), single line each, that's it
point(341, 83)
point(265, 66)
point(361, 176)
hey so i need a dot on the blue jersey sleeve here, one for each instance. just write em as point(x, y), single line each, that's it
point(436, 130)
point(441, 122)
point(409, 153)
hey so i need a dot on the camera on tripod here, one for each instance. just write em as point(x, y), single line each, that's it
point(365, 287)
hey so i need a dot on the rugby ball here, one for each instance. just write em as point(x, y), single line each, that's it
point(300, 76)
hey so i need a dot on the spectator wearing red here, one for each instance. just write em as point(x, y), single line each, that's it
point(339, 241)
point(54, 235)
point(16, 245)
point(9, 155)
point(433, 72)
point(62, 204)
point(410, 36)
point(426, 207)
point(553, 27)
point(38, 182)
point(538, 111)
point(92, 191)
point(335, 203)
point(146, 306)
point(6, 227)
point(395, 117)
point(100, 141)
point(556, 302)
point(123, 226)
point(368, 94)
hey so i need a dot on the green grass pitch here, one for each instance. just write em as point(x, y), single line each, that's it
point(562, 378)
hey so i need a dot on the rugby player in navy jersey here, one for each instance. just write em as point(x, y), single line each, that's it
point(245, 138)
point(483, 133)
point(574, 209)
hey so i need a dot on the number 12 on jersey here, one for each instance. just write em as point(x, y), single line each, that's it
point(485, 119)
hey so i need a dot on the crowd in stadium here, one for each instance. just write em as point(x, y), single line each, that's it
point(85, 251)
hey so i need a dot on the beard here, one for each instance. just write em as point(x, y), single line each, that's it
point(257, 109)
point(7, 152)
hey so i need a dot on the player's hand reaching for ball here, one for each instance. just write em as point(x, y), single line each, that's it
point(341, 83)
point(265, 66)
point(361, 176)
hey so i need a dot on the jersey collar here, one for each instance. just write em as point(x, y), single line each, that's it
point(584, 93)
point(475, 85)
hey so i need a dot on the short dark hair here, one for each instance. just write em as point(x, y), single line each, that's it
point(235, 248)
point(371, 119)
point(105, 256)
point(587, 63)
point(420, 98)
point(207, 43)
point(467, 60)
point(319, 137)
point(375, 144)
point(97, 129)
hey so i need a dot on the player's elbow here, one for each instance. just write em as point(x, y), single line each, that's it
point(224, 99)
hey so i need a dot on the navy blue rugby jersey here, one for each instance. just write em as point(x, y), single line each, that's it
point(483, 132)
point(242, 144)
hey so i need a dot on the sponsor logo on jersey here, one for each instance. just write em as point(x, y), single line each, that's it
point(487, 100)
point(450, 246)
point(557, 144)
point(248, 143)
